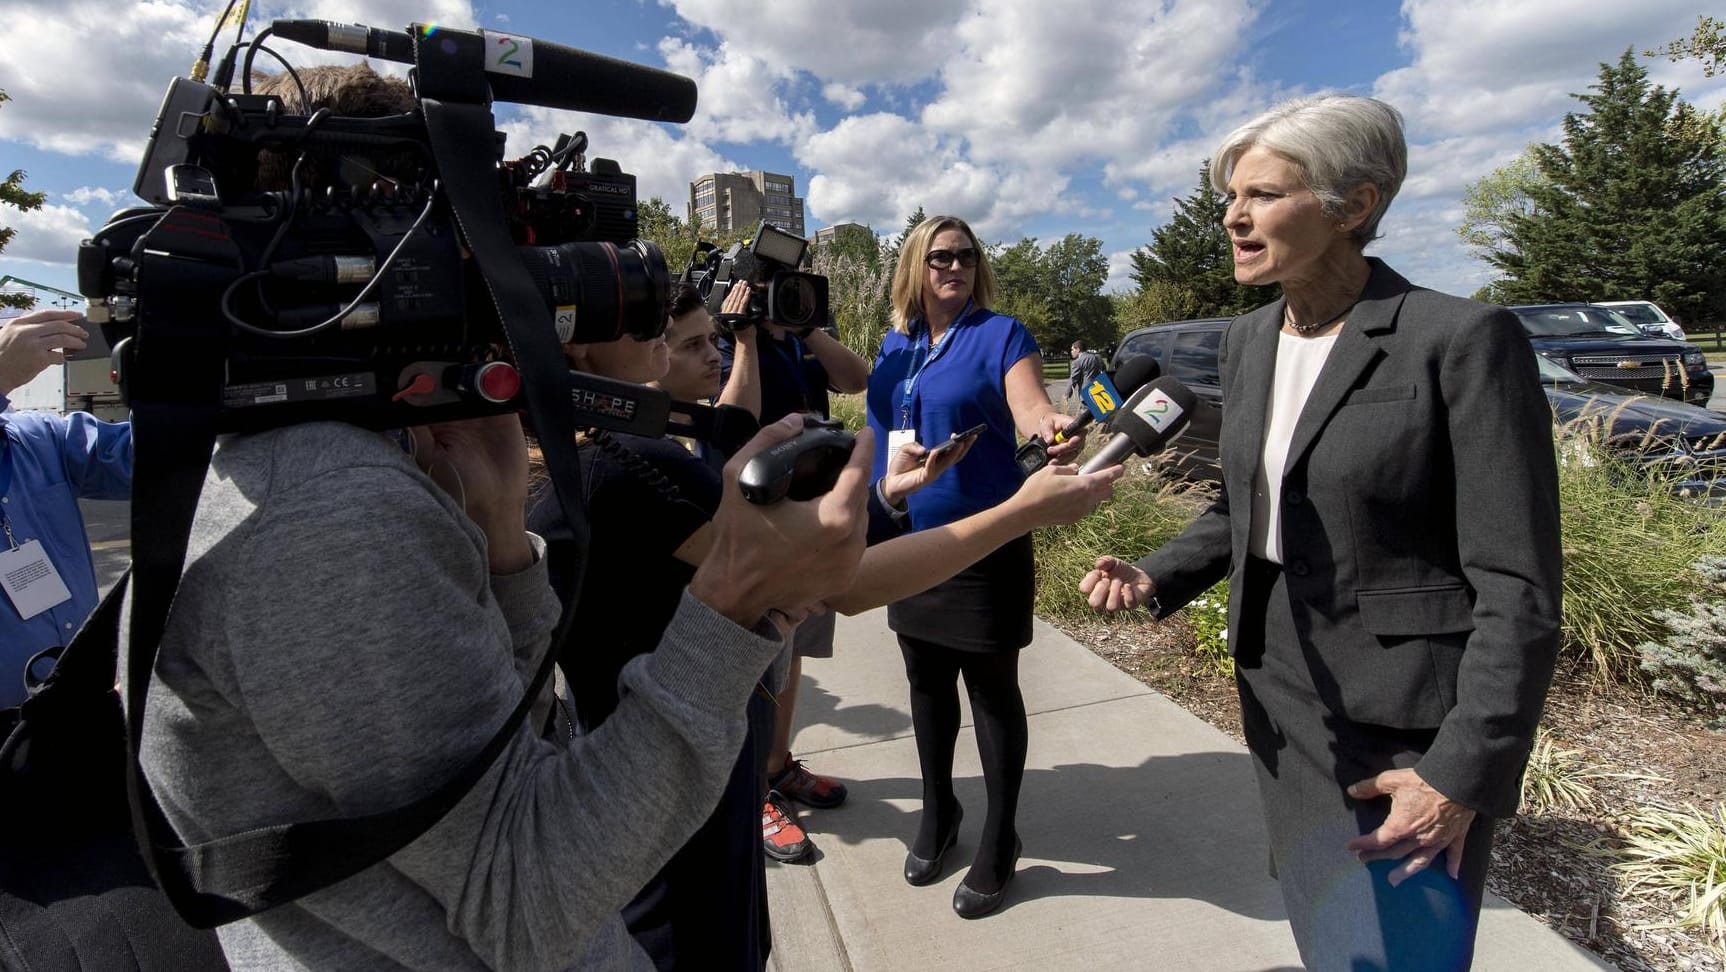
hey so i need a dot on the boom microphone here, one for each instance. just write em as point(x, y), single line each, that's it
point(524, 70)
point(1147, 423)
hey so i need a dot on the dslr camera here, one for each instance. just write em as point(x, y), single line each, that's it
point(767, 262)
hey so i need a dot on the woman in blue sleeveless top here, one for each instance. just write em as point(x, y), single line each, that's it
point(950, 364)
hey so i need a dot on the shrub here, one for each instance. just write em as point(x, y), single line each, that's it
point(1679, 855)
point(1209, 616)
point(1556, 779)
point(1690, 664)
point(849, 409)
point(1630, 545)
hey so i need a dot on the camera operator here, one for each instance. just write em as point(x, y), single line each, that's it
point(798, 369)
point(354, 622)
point(696, 370)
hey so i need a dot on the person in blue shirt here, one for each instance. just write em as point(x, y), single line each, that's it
point(947, 365)
point(47, 463)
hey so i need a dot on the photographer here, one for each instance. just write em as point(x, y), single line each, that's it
point(798, 369)
point(353, 623)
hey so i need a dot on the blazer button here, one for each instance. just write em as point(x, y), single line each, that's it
point(1299, 568)
point(1293, 497)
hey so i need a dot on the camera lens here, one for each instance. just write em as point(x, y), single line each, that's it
point(794, 302)
point(601, 291)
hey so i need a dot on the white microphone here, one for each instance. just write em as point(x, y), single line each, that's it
point(1155, 416)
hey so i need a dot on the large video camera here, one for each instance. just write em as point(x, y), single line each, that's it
point(768, 260)
point(380, 294)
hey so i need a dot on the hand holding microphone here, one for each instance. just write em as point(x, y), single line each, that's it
point(1101, 399)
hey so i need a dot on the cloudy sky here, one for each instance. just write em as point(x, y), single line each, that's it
point(1027, 117)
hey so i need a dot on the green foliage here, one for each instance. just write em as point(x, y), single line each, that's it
point(850, 409)
point(1556, 780)
point(1147, 511)
point(1208, 614)
point(898, 243)
point(1490, 203)
point(1056, 291)
point(1707, 43)
point(1679, 856)
point(1628, 206)
point(12, 193)
point(1690, 664)
point(854, 241)
point(1191, 255)
point(1630, 546)
point(656, 222)
point(860, 293)
point(1157, 302)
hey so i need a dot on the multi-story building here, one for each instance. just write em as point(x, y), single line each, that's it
point(724, 202)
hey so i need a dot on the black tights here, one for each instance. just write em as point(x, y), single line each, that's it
point(992, 682)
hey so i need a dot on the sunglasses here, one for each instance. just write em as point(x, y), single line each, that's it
point(942, 259)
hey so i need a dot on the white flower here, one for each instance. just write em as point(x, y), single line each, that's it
point(1223, 635)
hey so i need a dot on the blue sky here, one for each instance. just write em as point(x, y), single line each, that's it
point(1027, 117)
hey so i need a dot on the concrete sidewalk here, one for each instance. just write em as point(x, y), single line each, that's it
point(1143, 843)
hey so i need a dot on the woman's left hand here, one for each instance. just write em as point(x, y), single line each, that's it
point(1422, 823)
point(1051, 424)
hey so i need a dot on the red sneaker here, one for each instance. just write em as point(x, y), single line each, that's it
point(796, 782)
point(781, 837)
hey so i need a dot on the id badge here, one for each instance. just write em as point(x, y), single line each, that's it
point(30, 580)
point(896, 440)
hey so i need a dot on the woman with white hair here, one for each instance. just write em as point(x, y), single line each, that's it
point(1388, 525)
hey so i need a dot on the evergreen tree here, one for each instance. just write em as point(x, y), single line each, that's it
point(12, 193)
point(1628, 207)
point(1192, 252)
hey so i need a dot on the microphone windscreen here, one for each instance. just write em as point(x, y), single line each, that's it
point(1138, 370)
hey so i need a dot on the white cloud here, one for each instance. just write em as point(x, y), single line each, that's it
point(1120, 273)
point(85, 195)
point(737, 100)
point(854, 42)
point(877, 169)
point(50, 234)
point(844, 96)
point(98, 91)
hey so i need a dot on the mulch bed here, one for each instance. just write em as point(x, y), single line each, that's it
point(1652, 754)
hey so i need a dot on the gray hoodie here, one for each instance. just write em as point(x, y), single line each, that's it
point(339, 647)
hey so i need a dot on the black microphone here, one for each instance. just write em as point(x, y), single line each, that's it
point(326, 35)
point(527, 71)
point(1152, 418)
point(1128, 380)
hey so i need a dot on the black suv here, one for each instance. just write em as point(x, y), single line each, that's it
point(1687, 441)
point(1602, 345)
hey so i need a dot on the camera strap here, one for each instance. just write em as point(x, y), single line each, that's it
point(234, 877)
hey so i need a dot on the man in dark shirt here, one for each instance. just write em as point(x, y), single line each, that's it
point(797, 372)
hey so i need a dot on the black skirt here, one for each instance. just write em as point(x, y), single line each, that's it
point(984, 608)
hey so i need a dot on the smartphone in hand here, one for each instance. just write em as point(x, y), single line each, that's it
point(955, 441)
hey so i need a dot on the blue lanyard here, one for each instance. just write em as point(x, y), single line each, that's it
point(919, 362)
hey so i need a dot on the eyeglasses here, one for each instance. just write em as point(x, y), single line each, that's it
point(942, 259)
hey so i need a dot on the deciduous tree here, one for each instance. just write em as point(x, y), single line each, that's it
point(13, 193)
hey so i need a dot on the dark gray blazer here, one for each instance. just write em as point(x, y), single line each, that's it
point(1420, 529)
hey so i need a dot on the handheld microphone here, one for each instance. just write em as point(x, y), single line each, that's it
point(1155, 416)
point(524, 70)
point(1103, 397)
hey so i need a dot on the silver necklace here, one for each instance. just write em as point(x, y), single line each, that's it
point(1316, 326)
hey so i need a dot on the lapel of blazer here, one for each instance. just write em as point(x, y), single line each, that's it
point(1253, 342)
point(1356, 349)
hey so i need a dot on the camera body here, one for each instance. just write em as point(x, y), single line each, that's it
point(768, 259)
point(323, 270)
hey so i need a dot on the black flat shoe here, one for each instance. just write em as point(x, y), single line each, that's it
point(975, 904)
point(920, 871)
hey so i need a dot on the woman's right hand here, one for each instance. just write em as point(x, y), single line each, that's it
point(1116, 585)
point(1057, 495)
